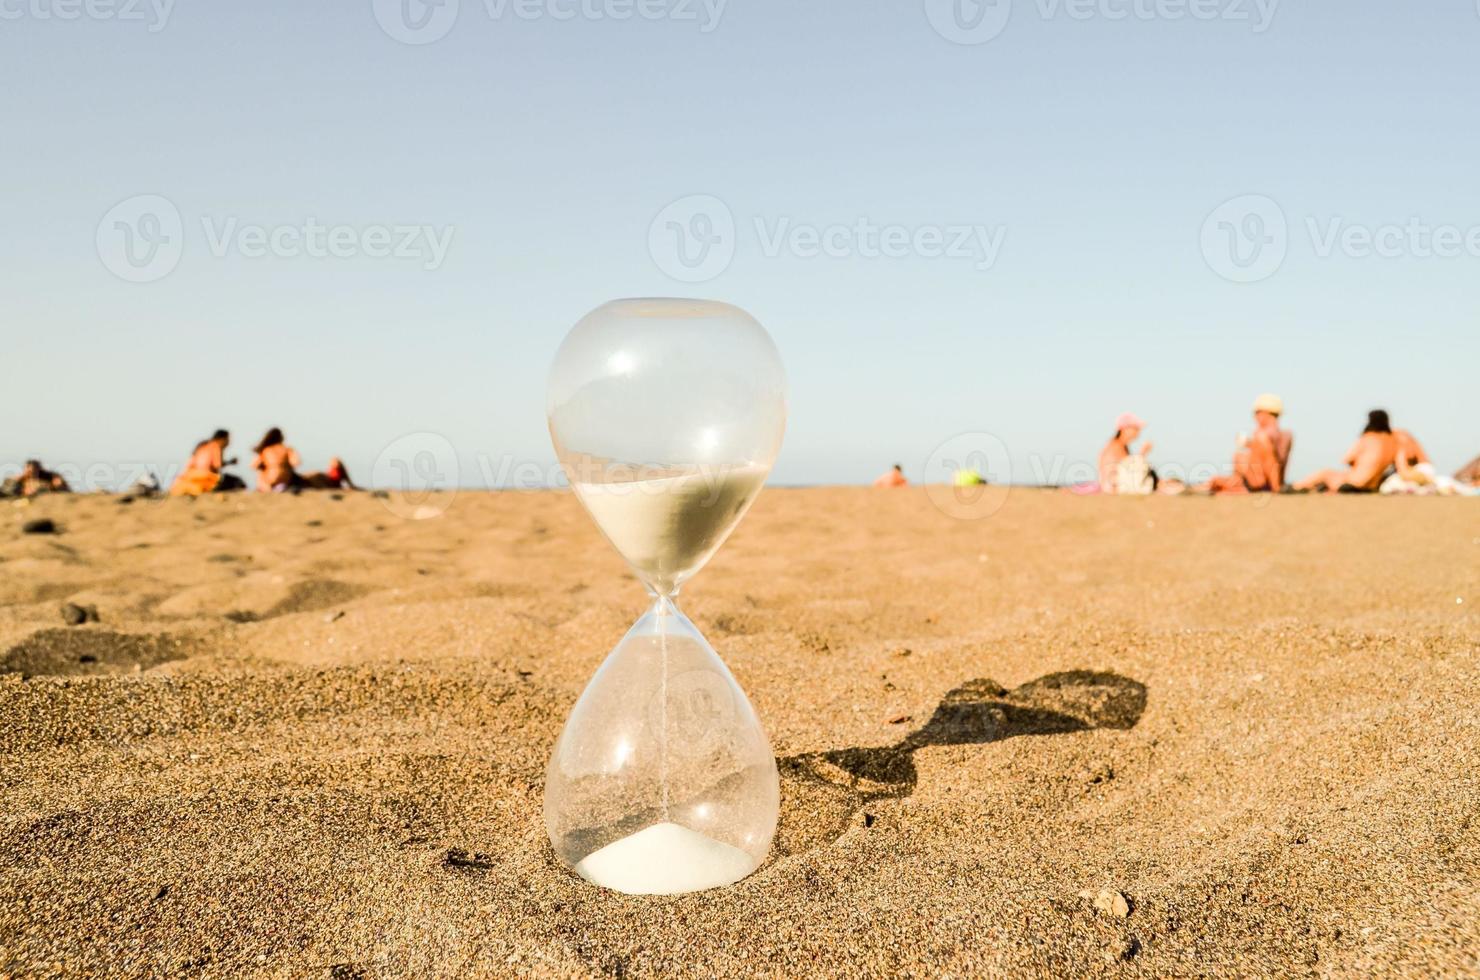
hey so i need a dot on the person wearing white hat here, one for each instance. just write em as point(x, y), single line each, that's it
point(1259, 465)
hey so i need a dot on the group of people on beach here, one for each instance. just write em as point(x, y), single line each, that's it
point(1382, 460)
point(275, 462)
point(277, 465)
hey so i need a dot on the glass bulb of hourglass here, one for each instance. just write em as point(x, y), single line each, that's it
point(667, 415)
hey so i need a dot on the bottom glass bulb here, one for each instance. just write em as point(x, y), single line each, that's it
point(662, 781)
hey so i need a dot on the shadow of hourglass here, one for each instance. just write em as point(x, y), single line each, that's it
point(824, 791)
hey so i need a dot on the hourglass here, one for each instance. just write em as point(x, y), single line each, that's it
point(666, 415)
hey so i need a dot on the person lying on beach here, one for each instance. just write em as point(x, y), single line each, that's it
point(1123, 469)
point(1366, 462)
point(202, 473)
point(1259, 466)
point(894, 478)
point(276, 463)
point(336, 477)
point(34, 479)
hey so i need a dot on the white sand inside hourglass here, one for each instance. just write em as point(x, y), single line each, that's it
point(666, 526)
point(665, 859)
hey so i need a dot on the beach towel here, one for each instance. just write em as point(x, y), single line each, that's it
point(1426, 481)
point(193, 483)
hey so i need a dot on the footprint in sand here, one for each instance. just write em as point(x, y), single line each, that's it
point(72, 652)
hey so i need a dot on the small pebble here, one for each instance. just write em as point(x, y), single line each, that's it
point(75, 615)
point(1113, 903)
point(900, 719)
point(334, 616)
point(41, 525)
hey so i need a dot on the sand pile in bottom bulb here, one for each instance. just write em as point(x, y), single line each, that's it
point(665, 859)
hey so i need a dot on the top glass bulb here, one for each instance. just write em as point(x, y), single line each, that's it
point(667, 415)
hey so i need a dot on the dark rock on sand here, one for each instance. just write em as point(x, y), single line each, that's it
point(75, 615)
point(459, 858)
point(41, 525)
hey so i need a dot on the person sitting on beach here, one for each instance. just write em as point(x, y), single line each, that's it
point(1122, 468)
point(1469, 474)
point(1259, 465)
point(276, 463)
point(202, 474)
point(35, 479)
point(1414, 471)
point(336, 477)
point(1366, 462)
point(893, 478)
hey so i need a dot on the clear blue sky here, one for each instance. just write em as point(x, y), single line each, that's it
point(1096, 143)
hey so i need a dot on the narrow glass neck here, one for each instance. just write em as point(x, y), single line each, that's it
point(664, 606)
point(659, 596)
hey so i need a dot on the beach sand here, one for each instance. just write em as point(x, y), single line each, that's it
point(307, 737)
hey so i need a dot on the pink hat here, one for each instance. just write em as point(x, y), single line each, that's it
point(1129, 420)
